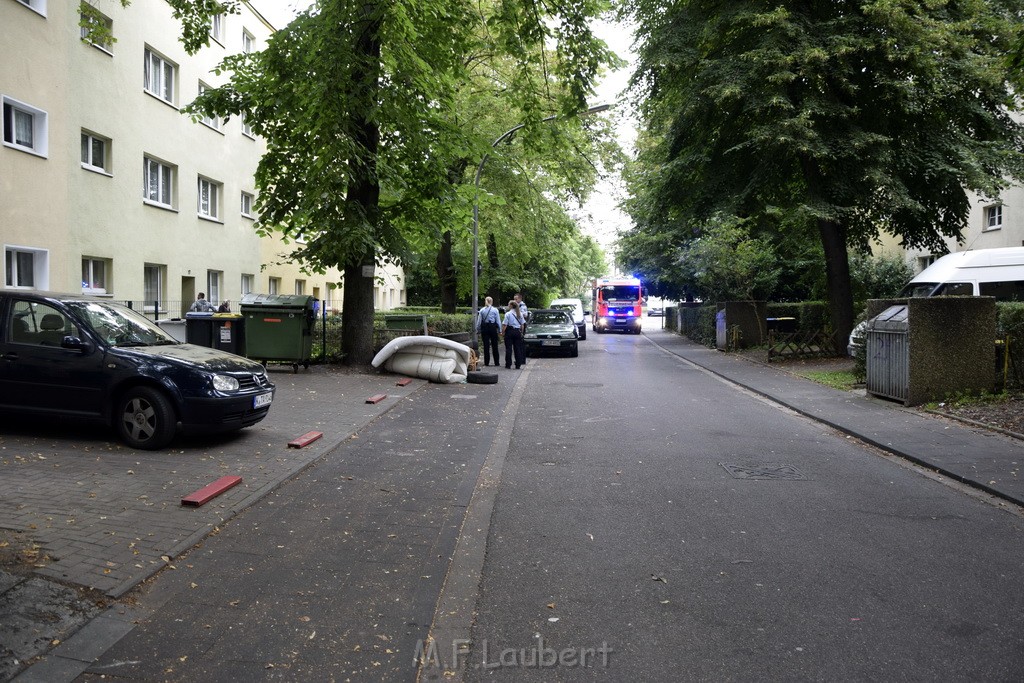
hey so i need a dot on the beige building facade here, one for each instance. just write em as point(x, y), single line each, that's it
point(106, 187)
point(992, 224)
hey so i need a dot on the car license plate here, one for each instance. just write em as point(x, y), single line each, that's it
point(262, 400)
point(550, 343)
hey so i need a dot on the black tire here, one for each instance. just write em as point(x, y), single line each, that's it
point(583, 333)
point(145, 419)
point(574, 352)
point(479, 377)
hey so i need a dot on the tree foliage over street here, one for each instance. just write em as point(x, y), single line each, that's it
point(367, 148)
point(840, 119)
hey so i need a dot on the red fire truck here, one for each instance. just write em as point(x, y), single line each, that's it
point(617, 304)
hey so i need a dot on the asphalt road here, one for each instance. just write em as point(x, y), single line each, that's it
point(618, 516)
point(700, 533)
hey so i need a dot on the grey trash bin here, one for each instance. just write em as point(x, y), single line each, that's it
point(174, 327)
point(888, 353)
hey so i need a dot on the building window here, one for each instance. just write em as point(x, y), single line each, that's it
point(153, 286)
point(38, 6)
point(247, 204)
point(300, 287)
point(26, 267)
point(217, 28)
point(25, 127)
point(247, 42)
point(94, 275)
point(95, 153)
point(274, 286)
point(159, 76)
point(211, 121)
point(158, 183)
point(246, 128)
point(993, 217)
point(213, 281)
point(248, 283)
point(97, 29)
point(208, 204)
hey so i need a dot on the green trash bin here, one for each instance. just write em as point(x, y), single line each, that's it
point(278, 328)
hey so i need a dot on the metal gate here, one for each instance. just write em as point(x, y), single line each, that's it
point(888, 354)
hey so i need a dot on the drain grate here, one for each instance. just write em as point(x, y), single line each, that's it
point(769, 472)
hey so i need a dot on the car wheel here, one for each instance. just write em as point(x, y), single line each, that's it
point(583, 333)
point(574, 351)
point(478, 377)
point(145, 418)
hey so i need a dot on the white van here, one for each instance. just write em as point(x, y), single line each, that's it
point(575, 309)
point(983, 272)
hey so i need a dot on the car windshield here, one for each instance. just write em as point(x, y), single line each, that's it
point(550, 318)
point(620, 293)
point(119, 325)
point(918, 289)
point(564, 307)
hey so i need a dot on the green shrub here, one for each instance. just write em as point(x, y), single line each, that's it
point(449, 323)
point(698, 324)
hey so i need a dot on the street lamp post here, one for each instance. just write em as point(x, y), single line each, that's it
point(476, 207)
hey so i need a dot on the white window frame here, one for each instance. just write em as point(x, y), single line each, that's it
point(274, 285)
point(993, 217)
point(37, 6)
point(214, 280)
point(300, 287)
point(217, 22)
point(166, 182)
point(90, 140)
point(248, 283)
point(247, 201)
point(89, 267)
point(248, 42)
point(209, 121)
point(108, 24)
point(38, 145)
point(246, 128)
point(155, 78)
point(149, 272)
point(40, 267)
point(208, 198)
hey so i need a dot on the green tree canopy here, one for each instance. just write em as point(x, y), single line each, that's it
point(356, 101)
point(851, 117)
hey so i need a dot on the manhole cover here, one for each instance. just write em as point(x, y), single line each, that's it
point(777, 472)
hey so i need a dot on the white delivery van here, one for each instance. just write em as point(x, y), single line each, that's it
point(575, 309)
point(983, 272)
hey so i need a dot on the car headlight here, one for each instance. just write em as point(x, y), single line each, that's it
point(225, 383)
point(530, 336)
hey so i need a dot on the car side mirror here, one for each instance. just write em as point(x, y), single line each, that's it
point(76, 344)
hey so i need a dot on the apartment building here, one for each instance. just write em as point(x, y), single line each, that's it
point(106, 187)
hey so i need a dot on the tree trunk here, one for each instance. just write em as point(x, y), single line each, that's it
point(492, 262)
point(837, 274)
point(445, 266)
point(362, 200)
point(357, 314)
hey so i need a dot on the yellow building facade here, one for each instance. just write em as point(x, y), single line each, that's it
point(106, 187)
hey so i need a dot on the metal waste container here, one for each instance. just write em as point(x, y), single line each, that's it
point(199, 328)
point(888, 353)
point(278, 328)
point(406, 321)
point(174, 327)
point(229, 332)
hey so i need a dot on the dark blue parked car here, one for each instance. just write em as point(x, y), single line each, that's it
point(82, 356)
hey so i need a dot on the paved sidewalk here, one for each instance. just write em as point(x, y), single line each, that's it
point(107, 517)
point(982, 458)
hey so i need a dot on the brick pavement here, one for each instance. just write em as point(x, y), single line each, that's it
point(107, 517)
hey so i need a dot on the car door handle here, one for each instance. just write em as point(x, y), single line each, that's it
point(10, 356)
